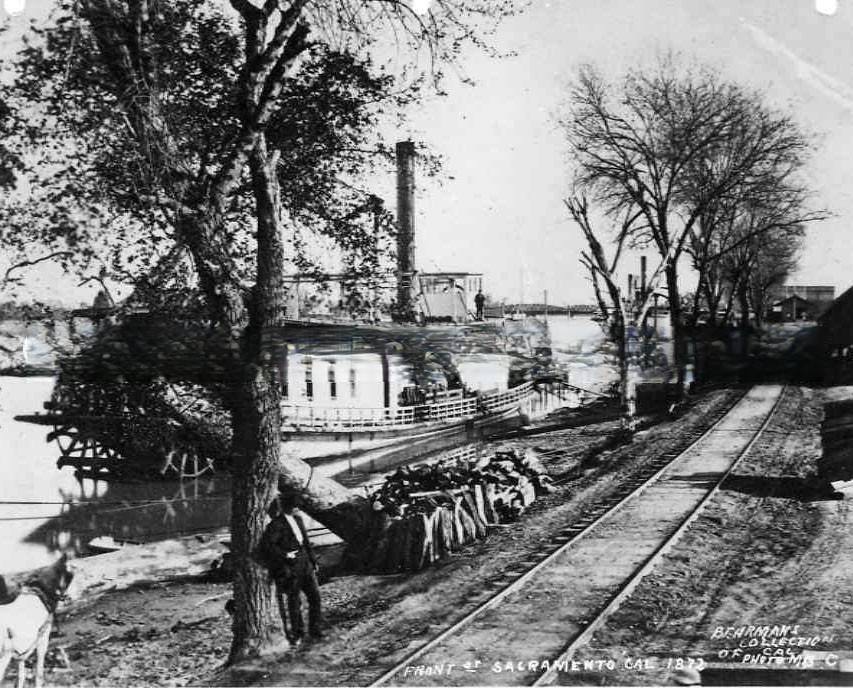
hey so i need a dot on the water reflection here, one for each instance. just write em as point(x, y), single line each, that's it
point(134, 512)
point(43, 509)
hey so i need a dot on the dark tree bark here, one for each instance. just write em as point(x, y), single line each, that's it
point(255, 405)
point(255, 470)
point(622, 355)
point(743, 303)
point(679, 348)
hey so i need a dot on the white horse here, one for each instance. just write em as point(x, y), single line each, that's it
point(26, 620)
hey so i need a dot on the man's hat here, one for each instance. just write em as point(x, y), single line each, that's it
point(282, 503)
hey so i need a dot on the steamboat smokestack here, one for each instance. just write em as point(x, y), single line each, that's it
point(642, 277)
point(405, 226)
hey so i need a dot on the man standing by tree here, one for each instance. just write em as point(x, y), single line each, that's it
point(286, 550)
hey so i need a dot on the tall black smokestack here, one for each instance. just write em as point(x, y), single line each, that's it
point(642, 277)
point(405, 225)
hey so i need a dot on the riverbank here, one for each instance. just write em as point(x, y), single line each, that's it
point(173, 629)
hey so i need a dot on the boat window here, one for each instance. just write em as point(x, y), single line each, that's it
point(333, 384)
point(308, 389)
point(352, 383)
point(285, 386)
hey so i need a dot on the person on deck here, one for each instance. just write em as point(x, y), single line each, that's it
point(480, 303)
point(287, 552)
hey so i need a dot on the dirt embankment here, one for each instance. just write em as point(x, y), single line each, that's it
point(177, 632)
point(769, 550)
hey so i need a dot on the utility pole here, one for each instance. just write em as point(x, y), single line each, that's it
point(373, 289)
point(405, 228)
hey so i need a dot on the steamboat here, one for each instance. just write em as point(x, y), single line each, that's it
point(347, 386)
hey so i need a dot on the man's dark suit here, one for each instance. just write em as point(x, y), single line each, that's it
point(293, 567)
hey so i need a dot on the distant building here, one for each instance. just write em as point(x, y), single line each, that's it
point(447, 296)
point(798, 301)
point(836, 324)
point(793, 307)
point(817, 294)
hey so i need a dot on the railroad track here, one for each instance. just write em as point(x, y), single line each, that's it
point(494, 625)
point(356, 480)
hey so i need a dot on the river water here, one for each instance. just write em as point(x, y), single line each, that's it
point(43, 509)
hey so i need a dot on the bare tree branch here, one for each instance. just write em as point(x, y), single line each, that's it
point(35, 261)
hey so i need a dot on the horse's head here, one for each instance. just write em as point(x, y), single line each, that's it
point(52, 582)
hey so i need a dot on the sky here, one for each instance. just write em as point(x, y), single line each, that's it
point(500, 209)
point(502, 212)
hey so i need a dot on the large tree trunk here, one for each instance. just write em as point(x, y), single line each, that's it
point(714, 304)
point(627, 396)
point(259, 469)
point(255, 406)
point(679, 352)
point(696, 307)
point(712, 301)
point(256, 448)
point(743, 302)
point(758, 306)
point(730, 304)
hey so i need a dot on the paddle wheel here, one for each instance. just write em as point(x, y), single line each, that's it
point(94, 457)
point(134, 431)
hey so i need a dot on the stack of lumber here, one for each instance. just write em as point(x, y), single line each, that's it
point(836, 436)
point(425, 512)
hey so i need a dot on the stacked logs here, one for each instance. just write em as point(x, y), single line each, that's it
point(425, 512)
point(836, 433)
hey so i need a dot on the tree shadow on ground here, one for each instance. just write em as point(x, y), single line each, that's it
point(783, 487)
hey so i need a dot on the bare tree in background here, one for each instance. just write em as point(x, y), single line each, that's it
point(769, 206)
point(669, 143)
point(762, 258)
point(621, 311)
point(777, 260)
point(725, 247)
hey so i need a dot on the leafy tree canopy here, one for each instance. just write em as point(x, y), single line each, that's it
point(90, 195)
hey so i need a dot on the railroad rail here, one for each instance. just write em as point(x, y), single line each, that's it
point(490, 625)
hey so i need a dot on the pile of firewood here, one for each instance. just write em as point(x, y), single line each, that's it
point(425, 512)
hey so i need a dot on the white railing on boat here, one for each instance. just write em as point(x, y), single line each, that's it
point(306, 417)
